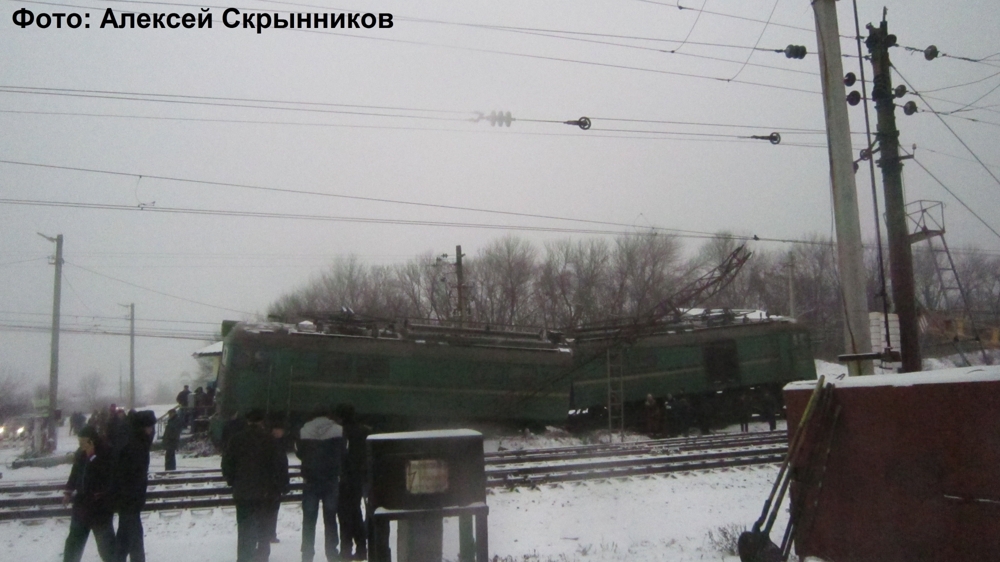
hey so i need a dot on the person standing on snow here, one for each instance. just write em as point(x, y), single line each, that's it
point(320, 447)
point(250, 466)
point(131, 478)
point(90, 489)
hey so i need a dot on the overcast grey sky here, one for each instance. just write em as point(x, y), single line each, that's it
point(386, 113)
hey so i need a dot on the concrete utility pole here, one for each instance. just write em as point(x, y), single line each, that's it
point(460, 276)
point(900, 256)
point(791, 285)
point(850, 251)
point(131, 356)
point(54, 353)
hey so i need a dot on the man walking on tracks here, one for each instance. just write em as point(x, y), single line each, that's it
point(89, 487)
point(320, 447)
point(171, 439)
point(250, 466)
point(131, 478)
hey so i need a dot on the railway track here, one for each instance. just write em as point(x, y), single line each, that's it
point(205, 488)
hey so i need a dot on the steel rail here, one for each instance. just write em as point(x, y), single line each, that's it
point(204, 488)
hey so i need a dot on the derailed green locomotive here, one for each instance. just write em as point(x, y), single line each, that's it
point(435, 376)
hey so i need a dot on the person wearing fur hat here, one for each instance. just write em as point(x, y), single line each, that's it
point(131, 478)
point(89, 488)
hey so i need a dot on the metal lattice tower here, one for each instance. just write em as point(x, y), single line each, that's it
point(616, 393)
point(927, 218)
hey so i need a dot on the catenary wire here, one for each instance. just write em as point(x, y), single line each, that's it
point(129, 283)
point(952, 193)
point(759, 37)
point(945, 123)
point(339, 196)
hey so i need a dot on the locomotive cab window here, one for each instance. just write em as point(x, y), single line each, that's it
point(722, 363)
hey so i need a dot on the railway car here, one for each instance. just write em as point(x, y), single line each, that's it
point(435, 376)
point(419, 375)
point(712, 364)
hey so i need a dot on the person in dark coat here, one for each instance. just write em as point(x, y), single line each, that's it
point(278, 433)
point(131, 477)
point(320, 447)
point(117, 432)
point(90, 489)
point(172, 439)
point(769, 409)
point(232, 427)
point(352, 483)
point(182, 403)
point(743, 411)
point(250, 466)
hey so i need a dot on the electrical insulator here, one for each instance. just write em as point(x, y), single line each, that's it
point(775, 138)
point(900, 91)
point(583, 123)
point(854, 98)
point(795, 52)
point(499, 118)
point(850, 79)
point(865, 154)
point(931, 53)
point(910, 107)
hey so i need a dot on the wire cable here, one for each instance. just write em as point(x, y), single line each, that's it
point(335, 195)
point(957, 198)
point(129, 283)
point(945, 123)
point(759, 37)
point(732, 16)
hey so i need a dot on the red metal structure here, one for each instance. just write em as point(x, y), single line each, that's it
point(910, 472)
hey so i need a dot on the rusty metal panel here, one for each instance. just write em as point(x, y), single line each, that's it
point(913, 472)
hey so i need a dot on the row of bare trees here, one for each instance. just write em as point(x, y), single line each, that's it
point(565, 283)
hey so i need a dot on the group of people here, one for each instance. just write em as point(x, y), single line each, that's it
point(679, 414)
point(195, 405)
point(109, 476)
point(331, 448)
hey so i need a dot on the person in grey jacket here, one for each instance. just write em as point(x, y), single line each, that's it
point(320, 447)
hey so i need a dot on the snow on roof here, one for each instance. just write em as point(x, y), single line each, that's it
point(431, 434)
point(212, 350)
point(941, 376)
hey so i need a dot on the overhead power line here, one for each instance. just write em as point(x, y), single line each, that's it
point(331, 195)
point(731, 16)
point(129, 283)
point(957, 198)
point(104, 317)
point(952, 131)
point(201, 336)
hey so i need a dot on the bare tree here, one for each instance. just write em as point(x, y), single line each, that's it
point(503, 276)
point(14, 400)
point(92, 388)
point(573, 284)
point(644, 271)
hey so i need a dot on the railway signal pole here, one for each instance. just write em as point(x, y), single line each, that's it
point(54, 352)
point(900, 255)
point(850, 256)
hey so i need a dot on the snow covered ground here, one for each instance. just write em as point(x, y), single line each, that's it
point(654, 518)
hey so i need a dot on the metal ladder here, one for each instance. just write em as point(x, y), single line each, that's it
point(928, 220)
point(616, 394)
